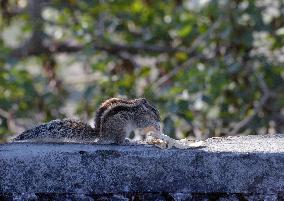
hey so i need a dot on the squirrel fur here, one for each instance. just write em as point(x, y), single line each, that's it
point(114, 120)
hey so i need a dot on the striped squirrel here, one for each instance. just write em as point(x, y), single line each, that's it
point(115, 119)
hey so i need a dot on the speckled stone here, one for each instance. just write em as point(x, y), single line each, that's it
point(252, 165)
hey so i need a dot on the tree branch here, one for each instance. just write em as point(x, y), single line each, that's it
point(13, 125)
point(39, 44)
point(190, 52)
point(53, 48)
point(257, 108)
point(4, 114)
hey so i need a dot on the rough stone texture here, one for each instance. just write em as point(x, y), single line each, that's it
point(234, 168)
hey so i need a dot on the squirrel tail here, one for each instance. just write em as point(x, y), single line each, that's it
point(59, 130)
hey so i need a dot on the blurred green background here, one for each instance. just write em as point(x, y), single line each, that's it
point(213, 68)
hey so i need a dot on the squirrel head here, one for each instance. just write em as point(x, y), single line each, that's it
point(127, 114)
point(146, 116)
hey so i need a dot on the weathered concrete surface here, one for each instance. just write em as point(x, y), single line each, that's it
point(236, 165)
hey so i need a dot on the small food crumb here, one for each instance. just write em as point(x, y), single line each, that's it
point(165, 142)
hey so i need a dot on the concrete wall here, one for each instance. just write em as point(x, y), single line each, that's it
point(235, 168)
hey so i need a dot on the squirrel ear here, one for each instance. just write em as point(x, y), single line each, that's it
point(144, 100)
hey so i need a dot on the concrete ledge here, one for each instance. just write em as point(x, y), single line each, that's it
point(236, 165)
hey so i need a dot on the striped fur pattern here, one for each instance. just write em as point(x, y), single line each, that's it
point(116, 105)
point(118, 117)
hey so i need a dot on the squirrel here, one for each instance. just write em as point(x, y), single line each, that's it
point(115, 119)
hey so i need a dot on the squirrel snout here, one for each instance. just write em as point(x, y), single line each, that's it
point(153, 128)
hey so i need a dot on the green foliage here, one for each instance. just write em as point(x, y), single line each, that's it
point(212, 68)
